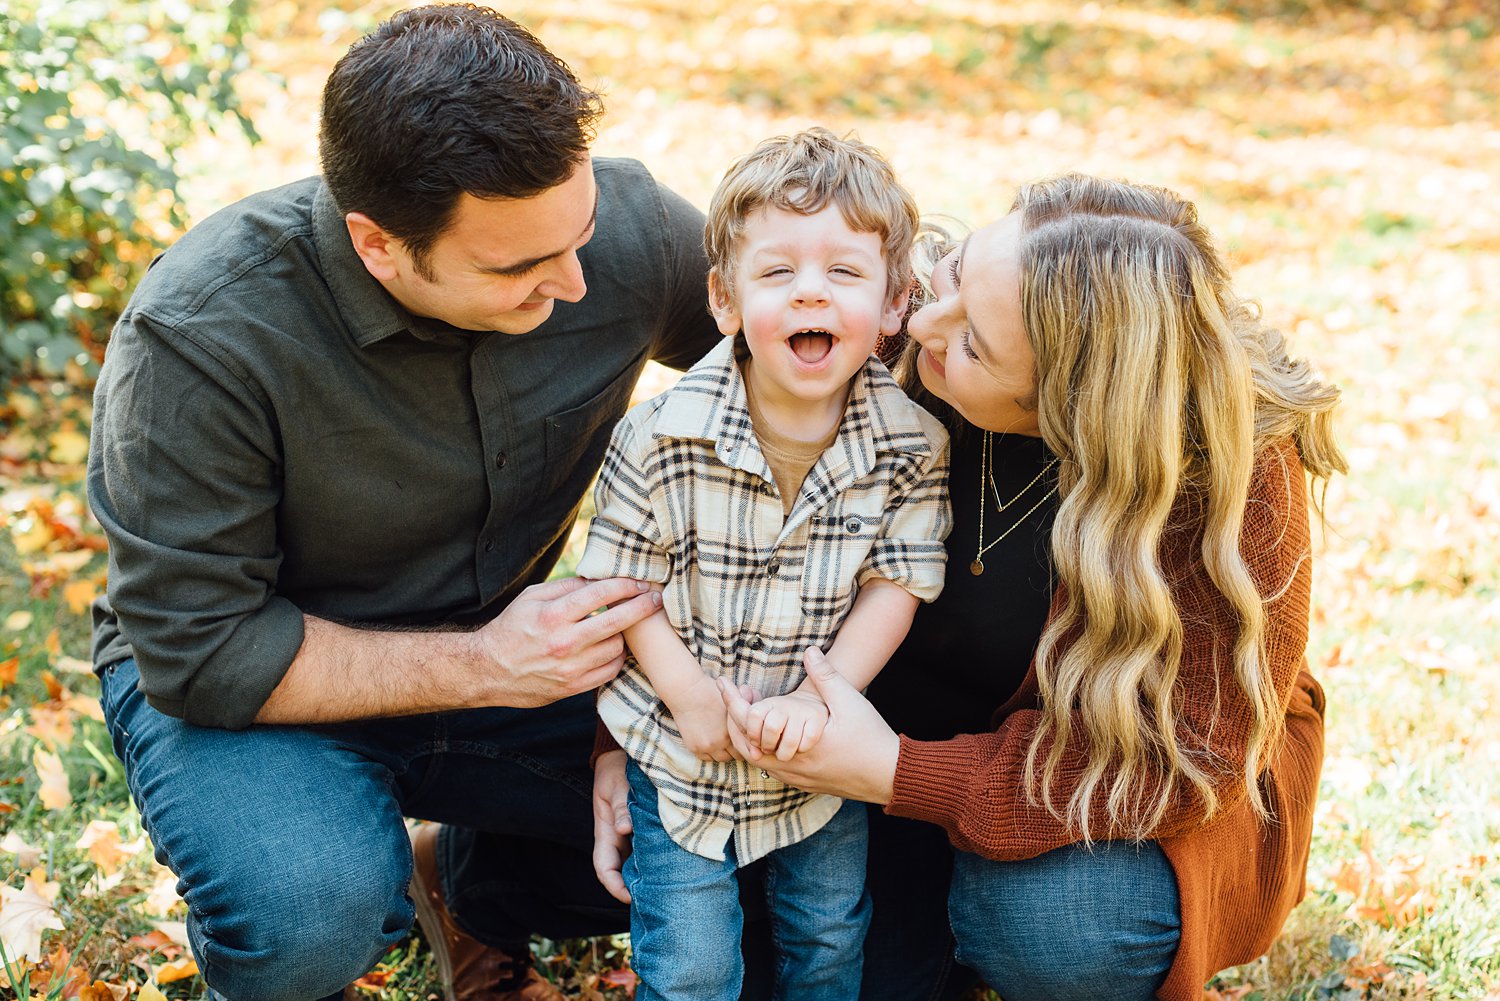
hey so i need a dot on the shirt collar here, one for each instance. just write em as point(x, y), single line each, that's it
point(369, 311)
point(709, 403)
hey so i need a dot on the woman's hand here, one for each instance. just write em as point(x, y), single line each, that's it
point(612, 827)
point(856, 757)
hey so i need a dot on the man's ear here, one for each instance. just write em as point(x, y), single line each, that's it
point(375, 247)
point(721, 305)
point(895, 311)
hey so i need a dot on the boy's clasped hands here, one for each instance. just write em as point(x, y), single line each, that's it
point(781, 726)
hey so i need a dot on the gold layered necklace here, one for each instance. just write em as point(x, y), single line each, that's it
point(987, 476)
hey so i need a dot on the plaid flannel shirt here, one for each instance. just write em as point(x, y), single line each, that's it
point(686, 499)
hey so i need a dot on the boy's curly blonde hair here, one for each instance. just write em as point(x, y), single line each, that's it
point(803, 173)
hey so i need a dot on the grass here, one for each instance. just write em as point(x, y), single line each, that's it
point(1348, 156)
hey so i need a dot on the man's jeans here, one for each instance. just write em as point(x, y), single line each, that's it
point(290, 849)
point(1071, 923)
point(686, 918)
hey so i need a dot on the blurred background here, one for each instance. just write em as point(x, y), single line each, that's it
point(1345, 152)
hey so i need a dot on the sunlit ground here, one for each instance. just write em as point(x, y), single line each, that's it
point(1350, 164)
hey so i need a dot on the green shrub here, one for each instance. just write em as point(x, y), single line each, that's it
point(95, 99)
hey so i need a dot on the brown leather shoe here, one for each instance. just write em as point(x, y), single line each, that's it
point(471, 970)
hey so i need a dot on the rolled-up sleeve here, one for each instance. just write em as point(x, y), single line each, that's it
point(624, 538)
point(184, 477)
point(909, 550)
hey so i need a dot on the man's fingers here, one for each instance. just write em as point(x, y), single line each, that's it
point(612, 621)
point(553, 589)
point(580, 602)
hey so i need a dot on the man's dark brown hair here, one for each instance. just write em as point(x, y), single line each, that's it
point(442, 100)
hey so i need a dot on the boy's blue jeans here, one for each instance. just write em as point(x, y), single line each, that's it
point(290, 849)
point(686, 920)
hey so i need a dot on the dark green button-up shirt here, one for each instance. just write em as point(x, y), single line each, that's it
point(273, 434)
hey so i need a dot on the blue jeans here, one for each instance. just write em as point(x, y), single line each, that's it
point(686, 918)
point(289, 845)
point(1067, 924)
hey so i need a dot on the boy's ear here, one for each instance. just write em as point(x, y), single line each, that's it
point(895, 311)
point(721, 305)
point(375, 247)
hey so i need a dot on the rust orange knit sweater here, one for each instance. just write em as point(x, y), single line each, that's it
point(1238, 876)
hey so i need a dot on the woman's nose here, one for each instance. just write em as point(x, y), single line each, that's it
point(921, 327)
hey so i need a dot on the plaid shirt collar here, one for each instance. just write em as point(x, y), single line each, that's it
point(711, 405)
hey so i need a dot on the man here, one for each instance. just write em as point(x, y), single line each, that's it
point(340, 436)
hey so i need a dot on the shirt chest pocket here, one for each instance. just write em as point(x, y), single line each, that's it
point(576, 439)
point(838, 542)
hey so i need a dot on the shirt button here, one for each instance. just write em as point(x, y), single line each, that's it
point(489, 545)
point(773, 568)
point(755, 642)
point(499, 460)
point(853, 525)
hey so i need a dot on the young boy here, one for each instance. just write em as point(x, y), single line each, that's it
point(788, 495)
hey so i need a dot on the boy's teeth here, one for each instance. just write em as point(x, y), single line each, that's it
point(811, 346)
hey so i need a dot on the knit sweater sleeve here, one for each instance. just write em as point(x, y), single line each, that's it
point(972, 784)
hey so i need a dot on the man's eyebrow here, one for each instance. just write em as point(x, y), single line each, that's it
point(521, 267)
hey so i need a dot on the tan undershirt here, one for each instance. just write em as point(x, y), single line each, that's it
point(790, 459)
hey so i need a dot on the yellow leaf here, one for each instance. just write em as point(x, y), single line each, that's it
point(150, 993)
point(74, 665)
point(25, 405)
point(180, 969)
point(52, 725)
point(53, 643)
point(25, 914)
point(79, 595)
point(69, 447)
point(26, 855)
point(16, 621)
point(49, 767)
point(101, 840)
point(163, 896)
point(31, 535)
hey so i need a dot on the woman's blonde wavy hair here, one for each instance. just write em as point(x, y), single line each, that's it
point(1155, 383)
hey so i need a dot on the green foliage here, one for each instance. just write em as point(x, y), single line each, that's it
point(95, 99)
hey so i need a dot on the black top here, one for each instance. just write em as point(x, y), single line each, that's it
point(968, 652)
point(274, 434)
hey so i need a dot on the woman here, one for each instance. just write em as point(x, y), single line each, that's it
point(1106, 713)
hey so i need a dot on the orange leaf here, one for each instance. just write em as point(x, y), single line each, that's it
point(156, 941)
point(625, 980)
point(53, 645)
point(9, 669)
point(100, 991)
point(55, 689)
point(180, 970)
point(49, 767)
point(79, 595)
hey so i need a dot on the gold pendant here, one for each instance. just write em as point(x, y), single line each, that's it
point(976, 568)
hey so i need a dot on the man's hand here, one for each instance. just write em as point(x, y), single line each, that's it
point(785, 725)
point(548, 644)
point(703, 720)
point(612, 827)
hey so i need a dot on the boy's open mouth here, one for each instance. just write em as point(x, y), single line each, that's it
point(811, 346)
